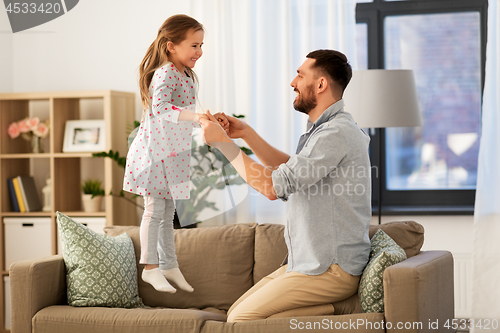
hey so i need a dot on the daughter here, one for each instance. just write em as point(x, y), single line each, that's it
point(159, 157)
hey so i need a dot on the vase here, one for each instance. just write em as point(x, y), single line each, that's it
point(35, 145)
point(47, 196)
point(91, 205)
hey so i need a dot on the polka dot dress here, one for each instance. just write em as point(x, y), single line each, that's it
point(159, 157)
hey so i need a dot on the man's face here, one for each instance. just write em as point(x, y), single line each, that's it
point(303, 85)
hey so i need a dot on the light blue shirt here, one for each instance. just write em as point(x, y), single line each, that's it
point(328, 187)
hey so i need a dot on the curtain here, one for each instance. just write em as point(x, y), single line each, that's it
point(252, 51)
point(486, 251)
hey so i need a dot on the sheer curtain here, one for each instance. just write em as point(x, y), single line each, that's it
point(486, 253)
point(252, 51)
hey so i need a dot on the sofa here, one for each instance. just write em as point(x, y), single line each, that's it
point(223, 262)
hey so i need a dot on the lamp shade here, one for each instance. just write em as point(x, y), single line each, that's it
point(379, 98)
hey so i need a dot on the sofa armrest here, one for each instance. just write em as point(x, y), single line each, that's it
point(419, 291)
point(34, 285)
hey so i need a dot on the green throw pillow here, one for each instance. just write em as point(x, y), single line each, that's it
point(384, 253)
point(100, 270)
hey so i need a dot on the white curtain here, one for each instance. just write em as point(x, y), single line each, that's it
point(486, 253)
point(252, 51)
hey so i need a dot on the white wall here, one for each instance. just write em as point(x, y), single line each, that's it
point(5, 53)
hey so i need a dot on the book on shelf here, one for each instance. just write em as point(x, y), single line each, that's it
point(29, 194)
point(13, 198)
point(19, 196)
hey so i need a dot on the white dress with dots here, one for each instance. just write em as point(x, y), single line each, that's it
point(159, 157)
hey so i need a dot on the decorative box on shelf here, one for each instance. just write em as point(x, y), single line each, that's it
point(26, 238)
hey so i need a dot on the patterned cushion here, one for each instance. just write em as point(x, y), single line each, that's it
point(101, 270)
point(384, 253)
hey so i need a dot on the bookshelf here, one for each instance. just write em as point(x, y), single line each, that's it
point(66, 170)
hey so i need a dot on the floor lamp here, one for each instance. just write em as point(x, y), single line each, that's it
point(381, 98)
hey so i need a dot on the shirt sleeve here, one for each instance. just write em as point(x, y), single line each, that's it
point(324, 151)
point(164, 81)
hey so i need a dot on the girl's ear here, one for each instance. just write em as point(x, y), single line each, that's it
point(170, 47)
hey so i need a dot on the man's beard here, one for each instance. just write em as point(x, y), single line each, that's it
point(306, 101)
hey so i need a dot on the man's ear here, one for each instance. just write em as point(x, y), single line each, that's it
point(323, 84)
point(170, 47)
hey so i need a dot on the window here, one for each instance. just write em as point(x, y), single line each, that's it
point(444, 43)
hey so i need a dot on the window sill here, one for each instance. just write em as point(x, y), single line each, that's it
point(425, 210)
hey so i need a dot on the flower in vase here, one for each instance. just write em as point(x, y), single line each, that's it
point(33, 123)
point(29, 127)
point(23, 126)
point(13, 130)
point(41, 130)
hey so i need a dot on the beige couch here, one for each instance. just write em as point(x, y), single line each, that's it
point(221, 263)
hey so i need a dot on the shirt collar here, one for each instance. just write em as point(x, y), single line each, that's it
point(328, 114)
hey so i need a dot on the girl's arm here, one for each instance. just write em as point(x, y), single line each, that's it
point(167, 81)
point(187, 115)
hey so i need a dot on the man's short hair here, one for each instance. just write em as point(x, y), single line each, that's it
point(334, 65)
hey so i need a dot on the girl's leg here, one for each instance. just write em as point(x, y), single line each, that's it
point(166, 241)
point(166, 249)
point(153, 213)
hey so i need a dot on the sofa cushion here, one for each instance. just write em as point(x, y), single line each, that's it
point(384, 253)
point(101, 270)
point(216, 261)
point(407, 234)
point(63, 319)
point(270, 249)
point(348, 306)
point(358, 323)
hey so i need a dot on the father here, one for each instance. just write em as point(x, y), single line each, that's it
point(327, 182)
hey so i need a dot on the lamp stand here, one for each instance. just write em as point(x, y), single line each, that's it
point(380, 173)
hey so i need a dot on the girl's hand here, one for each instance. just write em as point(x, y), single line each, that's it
point(213, 133)
point(221, 118)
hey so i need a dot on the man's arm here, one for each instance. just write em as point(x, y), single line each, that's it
point(255, 174)
point(267, 154)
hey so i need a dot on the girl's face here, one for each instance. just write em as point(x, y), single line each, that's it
point(186, 53)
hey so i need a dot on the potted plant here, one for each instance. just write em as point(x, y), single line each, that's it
point(92, 195)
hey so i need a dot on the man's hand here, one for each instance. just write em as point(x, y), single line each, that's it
point(213, 133)
point(237, 128)
point(221, 118)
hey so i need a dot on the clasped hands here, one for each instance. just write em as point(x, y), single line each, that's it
point(220, 127)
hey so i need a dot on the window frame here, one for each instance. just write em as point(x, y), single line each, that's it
point(416, 202)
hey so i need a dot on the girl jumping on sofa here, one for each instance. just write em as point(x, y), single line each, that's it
point(159, 157)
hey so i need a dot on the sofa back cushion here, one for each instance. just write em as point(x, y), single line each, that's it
point(407, 234)
point(216, 261)
point(270, 249)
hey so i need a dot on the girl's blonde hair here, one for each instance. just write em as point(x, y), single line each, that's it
point(174, 30)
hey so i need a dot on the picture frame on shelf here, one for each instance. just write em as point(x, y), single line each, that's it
point(84, 136)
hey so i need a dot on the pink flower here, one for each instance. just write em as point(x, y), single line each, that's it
point(33, 123)
point(23, 126)
point(42, 130)
point(13, 130)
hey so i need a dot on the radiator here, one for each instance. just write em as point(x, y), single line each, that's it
point(463, 284)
